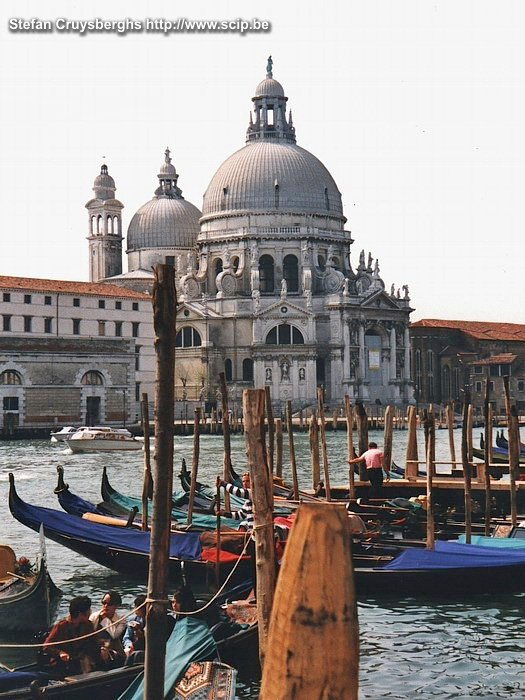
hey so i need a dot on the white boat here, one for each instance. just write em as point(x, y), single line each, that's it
point(100, 439)
point(65, 433)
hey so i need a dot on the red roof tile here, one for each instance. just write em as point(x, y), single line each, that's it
point(483, 330)
point(504, 358)
point(93, 288)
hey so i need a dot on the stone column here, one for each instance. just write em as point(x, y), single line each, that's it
point(362, 372)
point(346, 343)
point(393, 354)
point(407, 355)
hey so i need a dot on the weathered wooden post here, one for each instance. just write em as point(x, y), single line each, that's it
point(314, 449)
point(387, 442)
point(227, 458)
point(322, 430)
point(335, 417)
point(362, 437)
point(262, 492)
point(291, 446)
point(350, 446)
point(164, 317)
point(487, 412)
point(470, 426)
point(411, 463)
point(147, 486)
point(279, 448)
point(313, 648)
point(194, 462)
point(430, 458)
point(450, 428)
point(271, 428)
point(514, 452)
point(466, 468)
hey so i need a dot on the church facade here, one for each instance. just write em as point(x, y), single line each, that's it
point(267, 289)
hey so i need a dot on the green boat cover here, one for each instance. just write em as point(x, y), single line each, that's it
point(482, 541)
point(190, 641)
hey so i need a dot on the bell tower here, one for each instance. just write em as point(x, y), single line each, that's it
point(105, 229)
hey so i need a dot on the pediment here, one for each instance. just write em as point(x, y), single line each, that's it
point(196, 310)
point(276, 310)
point(379, 300)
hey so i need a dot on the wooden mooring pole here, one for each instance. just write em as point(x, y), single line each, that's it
point(387, 441)
point(362, 436)
point(279, 448)
point(322, 431)
point(314, 449)
point(487, 412)
point(147, 486)
point(227, 458)
point(253, 401)
point(450, 427)
point(313, 646)
point(430, 458)
point(164, 318)
point(514, 452)
point(350, 445)
point(411, 462)
point(293, 464)
point(467, 408)
point(194, 463)
point(271, 428)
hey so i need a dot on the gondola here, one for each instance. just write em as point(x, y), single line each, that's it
point(204, 677)
point(501, 441)
point(125, 550)
point(29, 599)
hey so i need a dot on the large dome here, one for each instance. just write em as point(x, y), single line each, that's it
point(272, 176)
point(164, 223)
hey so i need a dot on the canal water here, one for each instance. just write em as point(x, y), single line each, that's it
point(410, 647)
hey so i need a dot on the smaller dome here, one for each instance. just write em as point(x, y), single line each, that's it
point(269, 88)
point(164, 223)
point(104, 184)
point(104, 181)
point(167, 168)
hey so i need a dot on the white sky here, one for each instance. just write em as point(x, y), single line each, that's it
point(416, 107)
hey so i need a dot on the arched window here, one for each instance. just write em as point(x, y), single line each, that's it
point(247, 370)
point(266, 274)
point(321, 262)
point(110, 224)
point(235, 264)
point(228, 374)
point(92, 378)
point(285, 334)
point(93, 224)
point(99, 224)
point(10, 377)
point(291, 273)
point(115, 225)
point(188, 337)
point(218, 267)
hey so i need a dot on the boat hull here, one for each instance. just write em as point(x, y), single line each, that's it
point(94, 445)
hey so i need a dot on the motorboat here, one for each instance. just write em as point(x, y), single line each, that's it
point(99, 439)
point(65, 433)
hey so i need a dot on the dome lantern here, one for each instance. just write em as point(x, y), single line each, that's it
point(168, 179)
point(269, 102)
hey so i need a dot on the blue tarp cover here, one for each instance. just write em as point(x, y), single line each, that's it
point(184, 545)
point(76, 505)
point(453, 555)
point(482, 541)
point(190, 641)
point(9, 680)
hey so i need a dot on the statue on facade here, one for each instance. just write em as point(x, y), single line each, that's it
point(256, 296)
point(268, 374)
point(392, 290)
point(346, 287)
point(269, 66)
point(362, 260)
point(254, 254)
point(285, 371)
point(308, 297)
point(370, 261)
point(302, 374)
point(284, 289)
point(405, 289)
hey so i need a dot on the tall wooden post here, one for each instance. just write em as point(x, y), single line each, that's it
point(411, 465)
point(322, 430)
point(271, 428)
point(314, 449)
point(291, 445)
point(262, 492)
point(362, 437)
point(487, 413)
point(470, 426)
point(279, 448)
point(227, 459)
point(350, 446)
point(313, 649)
point(147, 486)
point(430, 459)
point(387, 442)
point(466, 467)
point(450, 428)
point(514, 451)
point(164, 317)
point(194, 462)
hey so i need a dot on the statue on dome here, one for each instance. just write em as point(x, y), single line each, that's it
point(269, 66)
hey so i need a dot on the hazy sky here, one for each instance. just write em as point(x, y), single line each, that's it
point(416, 107)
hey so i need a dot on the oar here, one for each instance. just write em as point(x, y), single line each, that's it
point(218, 546)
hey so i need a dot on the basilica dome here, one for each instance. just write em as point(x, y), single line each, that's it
point(167, 220)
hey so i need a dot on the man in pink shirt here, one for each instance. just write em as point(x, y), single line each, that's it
point(374, 461)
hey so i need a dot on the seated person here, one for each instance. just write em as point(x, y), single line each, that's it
point(133, 639)
point(69, 658)
point(105, 620)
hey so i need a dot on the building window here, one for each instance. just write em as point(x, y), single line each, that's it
point(101, 303)
point(521, 386)
point(228, 374)
point(478, 387)
point(266, 274)
point(285, 334)
point(188, 337)
point(118, 305)
point(10, 403)
point(478, 369)
point(137, 391)
point(28, 324)
point(247, 370)
point(6, 322)
point(7, 296)
point(48, 325)
point(430, 360)
point(291, 273)
point(135, 306)
point(102, 328)
point(47, 301)
point(76, 326)
point(76, 301)
point(11, 377)
point(92, 378)
point(137, 358)
point(135, 329)
point(27, 298)
point(118, 328)
point(499, 370)
point(418, 361)
point(169, 260)
point(491, 386)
